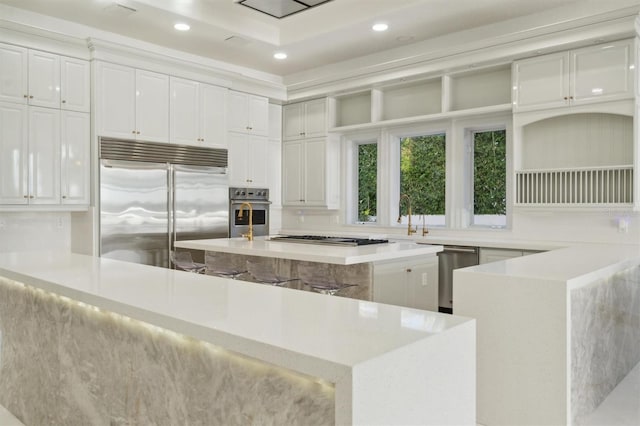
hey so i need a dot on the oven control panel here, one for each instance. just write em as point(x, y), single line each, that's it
point(249, 194)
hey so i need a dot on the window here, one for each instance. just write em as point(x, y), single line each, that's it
point(422, 178)
point(367, 182)
point(489, 178)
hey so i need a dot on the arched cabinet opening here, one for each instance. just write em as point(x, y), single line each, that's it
point(583, 159)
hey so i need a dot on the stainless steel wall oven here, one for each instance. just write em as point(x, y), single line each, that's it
point(259, 200)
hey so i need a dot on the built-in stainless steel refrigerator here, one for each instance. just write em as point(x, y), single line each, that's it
point(152, 195)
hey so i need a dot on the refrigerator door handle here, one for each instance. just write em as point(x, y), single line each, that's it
point(171, 206)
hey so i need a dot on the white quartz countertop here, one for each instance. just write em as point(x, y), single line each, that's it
point(313, 252)
point(576, 265)
point(315, 334)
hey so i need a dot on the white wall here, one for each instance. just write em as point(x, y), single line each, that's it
point(29, 231)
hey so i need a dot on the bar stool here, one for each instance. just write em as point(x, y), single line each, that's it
point(217, 268)
point(182, 260)
point(263, 273)
point(324, 284)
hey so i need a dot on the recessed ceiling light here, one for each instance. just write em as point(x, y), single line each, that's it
point(182, 27)
point(280, 55)
point(380, 27)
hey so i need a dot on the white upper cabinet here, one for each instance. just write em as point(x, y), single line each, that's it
point(132, 103)
point(75, 158)
point(310, 171)
point(44, 79)
point(305, 120)
point(152, 106)
point(13, 74)
point(198, 113)
point(248, 114)
point(602, 72)
point(75, 85)
point(587, 75)
point(14, 133)
point(248, 160)
point(116, 100)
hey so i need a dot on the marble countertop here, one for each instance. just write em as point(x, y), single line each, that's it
point(340, 255)
point(315, 334)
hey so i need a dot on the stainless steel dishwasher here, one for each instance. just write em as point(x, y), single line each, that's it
point(450, 258)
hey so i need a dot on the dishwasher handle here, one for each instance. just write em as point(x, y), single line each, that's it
point(459, 249)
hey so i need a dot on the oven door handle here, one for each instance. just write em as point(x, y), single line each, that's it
point(252, 202)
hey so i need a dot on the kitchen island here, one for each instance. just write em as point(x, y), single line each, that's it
point(88, 340)
point(396, 272)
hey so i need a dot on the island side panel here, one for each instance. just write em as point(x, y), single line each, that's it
point(605, 338)
point(430, 382)
point(522, 347)
point(360, 274)
point(72, 364)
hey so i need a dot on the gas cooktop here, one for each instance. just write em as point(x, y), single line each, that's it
point(318, 239)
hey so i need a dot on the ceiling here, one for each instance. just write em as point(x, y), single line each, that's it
point(329, 33)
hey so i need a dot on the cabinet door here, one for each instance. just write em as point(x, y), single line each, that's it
point(602, 72)
point(75, 85)
point(292, 167)
point(44, 79)
point(185, 111)
point(541, 82)
point(13, 153)
point(13, 74)
point(389, 283)
point(237, 146)
point(44, 155)
point(213, 115)
point(238, 110)
point(75, 166)
point(257, 155)
point(315, 116)
point(258, 115)
point(274, 171)
point(292, 121)
point(315, 172)
point(422, 290)
point(152, 106)
point(116, 101)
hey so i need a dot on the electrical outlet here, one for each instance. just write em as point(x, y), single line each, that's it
point(425, 280)
point(59, 223)
point(623, 225)
point(3, 224)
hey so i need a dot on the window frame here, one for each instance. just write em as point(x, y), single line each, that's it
point(393, 151)
point(350, 143)
point(469, 128)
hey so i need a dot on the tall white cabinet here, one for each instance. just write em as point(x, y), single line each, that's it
point(310, 161)
point(247, 139)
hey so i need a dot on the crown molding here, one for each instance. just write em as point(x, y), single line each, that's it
point(455, 52)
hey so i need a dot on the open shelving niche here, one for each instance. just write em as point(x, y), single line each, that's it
point(582, 157)
point(462, 94)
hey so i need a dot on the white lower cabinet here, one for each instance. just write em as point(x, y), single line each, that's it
point(44, 156)
point(247, 160)
point(407, 282)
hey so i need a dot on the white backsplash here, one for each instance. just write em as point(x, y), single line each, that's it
point(29, 231)
point(601, 226)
